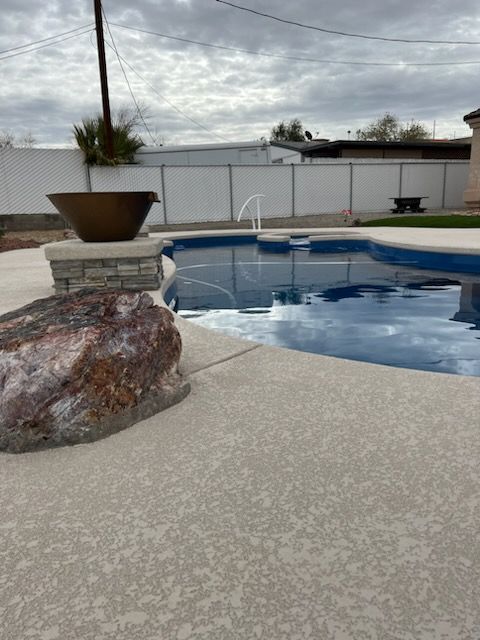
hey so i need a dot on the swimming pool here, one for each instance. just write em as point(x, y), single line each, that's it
point(344, 304)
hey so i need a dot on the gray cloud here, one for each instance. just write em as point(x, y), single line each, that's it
point(240, 96)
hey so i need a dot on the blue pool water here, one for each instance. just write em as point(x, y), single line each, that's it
point(342, 304)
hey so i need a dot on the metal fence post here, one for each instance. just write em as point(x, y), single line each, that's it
point(400, 180)
point(350, 205)
point(163, 194)
point(230, 182)
point(89, 178)
point(444, 184)
point(293, 190)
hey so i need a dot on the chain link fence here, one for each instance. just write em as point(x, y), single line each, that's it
point(27, 175)
point(321, 188)
point(195, 194)
point(216, 193)
point(135, 178)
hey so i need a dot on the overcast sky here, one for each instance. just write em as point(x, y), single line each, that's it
point(239, 96)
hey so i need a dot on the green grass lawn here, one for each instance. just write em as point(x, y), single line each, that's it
point(437, 222)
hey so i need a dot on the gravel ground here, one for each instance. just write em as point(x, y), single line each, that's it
point(320, 220)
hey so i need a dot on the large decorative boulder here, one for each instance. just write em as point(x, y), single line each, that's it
point(75, 368)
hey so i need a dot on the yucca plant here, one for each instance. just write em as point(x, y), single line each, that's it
point(90, 137)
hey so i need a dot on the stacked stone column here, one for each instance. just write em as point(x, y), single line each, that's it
point(133, 265)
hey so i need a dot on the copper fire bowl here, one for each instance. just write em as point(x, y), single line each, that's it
point(108, 216)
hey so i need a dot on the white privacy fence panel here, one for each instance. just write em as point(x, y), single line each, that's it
point(131, 178)
point(27, 175)
point(274, 182)
point(196, 194)
point(424, 180)
point(455, 183)
point(321, 189)
point(216, 193)
point(373, 185)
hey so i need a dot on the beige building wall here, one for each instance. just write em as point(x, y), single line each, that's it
point(471, 195)
point(362, 153)
point(382, 153)
point(403, 153)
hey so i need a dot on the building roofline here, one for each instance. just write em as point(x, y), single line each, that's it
point(204, 147)
point(374, 143)
point(472, 115)
point(299, 146)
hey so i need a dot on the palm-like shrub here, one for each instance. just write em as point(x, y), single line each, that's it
point(90, 137)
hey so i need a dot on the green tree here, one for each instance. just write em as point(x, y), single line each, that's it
point(414, 131)
point(90, 137)
point(288, 132)
point(389, 129)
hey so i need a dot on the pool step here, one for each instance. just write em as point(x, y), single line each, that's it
point(322, 242)
point(334, 242)
point(274, 242)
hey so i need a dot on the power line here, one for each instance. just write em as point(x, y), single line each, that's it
point(297, 58)
point(89, 30)
point(343, 33)
point(49, 44)
point(59, 35)
point(195, 122)
point(126, 79)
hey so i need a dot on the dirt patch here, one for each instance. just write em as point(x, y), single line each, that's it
point(10, 244)
point(314, 221)
point(29, 239)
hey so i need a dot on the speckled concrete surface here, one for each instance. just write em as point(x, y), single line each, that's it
point(290, 496)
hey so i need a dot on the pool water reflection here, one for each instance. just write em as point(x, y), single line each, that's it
point(346, 305)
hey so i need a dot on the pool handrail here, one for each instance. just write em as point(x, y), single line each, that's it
point(246, 206)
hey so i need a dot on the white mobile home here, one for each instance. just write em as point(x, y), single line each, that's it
point(255, 152)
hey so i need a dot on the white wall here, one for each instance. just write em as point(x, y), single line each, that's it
point(188, 156)
point(284, 156)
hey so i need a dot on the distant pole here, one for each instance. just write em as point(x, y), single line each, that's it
point(433, 135)
point(107, 120)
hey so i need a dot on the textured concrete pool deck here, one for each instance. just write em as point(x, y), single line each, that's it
point(290, 496)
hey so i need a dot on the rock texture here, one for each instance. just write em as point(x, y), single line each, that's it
point(75, 368)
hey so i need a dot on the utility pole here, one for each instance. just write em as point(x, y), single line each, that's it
point(107, 120)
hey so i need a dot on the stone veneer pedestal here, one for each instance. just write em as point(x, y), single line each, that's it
point(134, 264)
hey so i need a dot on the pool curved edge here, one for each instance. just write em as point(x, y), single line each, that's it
point(425, 259)
point(168, 281)
point(456, 250)
point(464, 259)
